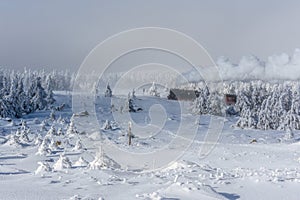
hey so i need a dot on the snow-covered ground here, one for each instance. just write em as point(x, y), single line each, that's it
point(66, 157)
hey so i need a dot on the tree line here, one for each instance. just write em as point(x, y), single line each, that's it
point(23, 92)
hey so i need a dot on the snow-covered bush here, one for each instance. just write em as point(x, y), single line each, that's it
point(102, 161)
point(44, 148)
point(81, 162)
point(62, 163)
point(44, 167)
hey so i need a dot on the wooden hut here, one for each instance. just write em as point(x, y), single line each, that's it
point(183, 95)
point(230, 99)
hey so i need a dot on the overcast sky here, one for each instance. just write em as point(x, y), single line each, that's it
point(60, 33)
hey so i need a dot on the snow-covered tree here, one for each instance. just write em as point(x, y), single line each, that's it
point(129, 104)
point(49, 91)
point(216, 104)
point(44, 148)
point(38, 100)
point(108, 92)
point(153, 90)
point(44, 167)
point(201, 103)
point(81, 162)
point(52, 115)
point(72, 128)
point(106, 125)
point(62, 163)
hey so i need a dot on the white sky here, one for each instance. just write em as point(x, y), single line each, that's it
point(60, 33)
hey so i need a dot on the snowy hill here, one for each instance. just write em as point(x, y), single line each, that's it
point(63, 158)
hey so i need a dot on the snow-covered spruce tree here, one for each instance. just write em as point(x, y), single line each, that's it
point(5, 108)
point(15, 97)
point(51, 132)
point(12, 99)
point(71, 131)
point(270, 106)
point(78, 145)
point(216, 104)
point(49, 91)
point(22, 98)
point(62, 163)
point(6, 86)
point(52, 115)
point(264, 115)
point(38, 100)
point(250, 103)
point(23, 93)
point(108, 92)
point(24, 132)
point(44, 148)
point(106, 125)
point(129, 104)
point(201, 104)
point(153, 90)
point(247, 119)
point(133, 96)
point(291, 119)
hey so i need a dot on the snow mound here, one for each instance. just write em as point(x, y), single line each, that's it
point(102, 161)
point(177, 165)
point(183, 191)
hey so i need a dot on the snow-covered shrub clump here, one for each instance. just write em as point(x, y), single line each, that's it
point(44, 167)
point(106, 125)
point(21, 136)
point(78, 146)
point(62, 163)
point(44, 148)
point(102, 161)
point(81, 162)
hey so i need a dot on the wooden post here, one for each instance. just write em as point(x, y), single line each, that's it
point(129, 133)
